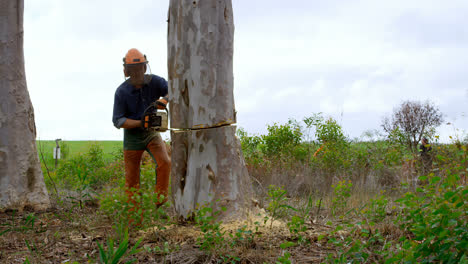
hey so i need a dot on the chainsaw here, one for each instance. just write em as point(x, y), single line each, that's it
point(155, 120)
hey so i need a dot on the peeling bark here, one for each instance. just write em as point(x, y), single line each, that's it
point(21, 180)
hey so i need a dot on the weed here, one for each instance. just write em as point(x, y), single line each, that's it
point(285, 255)
point(341, 194)
point(27, 224)
point(213, 240)
point(244, 236)
point(164, 250)
point(376, 208)
point(277, 205)
point(297, 227)
point(113, 255)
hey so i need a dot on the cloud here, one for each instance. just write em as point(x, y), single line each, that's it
point(353, 60)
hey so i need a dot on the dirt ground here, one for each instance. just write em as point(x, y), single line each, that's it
point(71, 235)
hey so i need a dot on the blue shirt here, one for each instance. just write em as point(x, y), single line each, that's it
point(131, 102)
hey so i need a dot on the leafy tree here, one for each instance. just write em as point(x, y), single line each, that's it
point(411, 121)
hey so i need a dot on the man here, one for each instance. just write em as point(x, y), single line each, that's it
point(424, 149)
point(132, 97)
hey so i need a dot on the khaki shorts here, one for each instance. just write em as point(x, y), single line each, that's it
point(138, 139)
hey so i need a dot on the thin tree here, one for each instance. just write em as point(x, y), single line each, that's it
point(21, 180)
point(412, 120)
point(207, 161)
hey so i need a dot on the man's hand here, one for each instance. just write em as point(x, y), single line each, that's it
point(162, 102)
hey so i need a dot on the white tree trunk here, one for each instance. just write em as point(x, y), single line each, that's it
point(200, 49)
point(208, 166)
point(21, 180)
point(207, 161)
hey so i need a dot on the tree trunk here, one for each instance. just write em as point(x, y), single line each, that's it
point(207, 161)
point(21, 180)
point(200, 48)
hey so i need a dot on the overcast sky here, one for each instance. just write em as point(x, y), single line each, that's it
point(352, 60)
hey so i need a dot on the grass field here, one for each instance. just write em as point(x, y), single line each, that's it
point(71, 149)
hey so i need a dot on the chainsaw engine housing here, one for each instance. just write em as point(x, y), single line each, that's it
point(159, 121)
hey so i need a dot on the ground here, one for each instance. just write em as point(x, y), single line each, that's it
point(65, 235)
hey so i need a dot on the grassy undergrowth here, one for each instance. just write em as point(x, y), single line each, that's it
point(322, 200)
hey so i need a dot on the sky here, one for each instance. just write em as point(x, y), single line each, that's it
point(353, 60)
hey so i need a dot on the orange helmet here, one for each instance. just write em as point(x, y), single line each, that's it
point(134, 56)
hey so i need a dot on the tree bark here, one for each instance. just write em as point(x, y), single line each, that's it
point(207, 161)
point(200, 49)
point(21, 180)
point(208, 167)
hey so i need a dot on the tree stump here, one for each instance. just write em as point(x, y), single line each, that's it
point(21, 180)
point(207, 161)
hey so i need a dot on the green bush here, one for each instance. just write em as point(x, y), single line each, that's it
point(281, 139)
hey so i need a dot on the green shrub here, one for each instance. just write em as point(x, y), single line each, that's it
point(281, 139)
point(333, 155)
point(436, 217)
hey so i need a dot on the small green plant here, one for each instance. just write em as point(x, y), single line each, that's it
point(243, 236)
point(285, 255)
point(164, 250)
point(297, 227)
point(32, 248)
point(357, 245)
point(83, 188)
point(27, 224)
point(213, 240)
point(277, 205)
point(376, 209)
point(297, 224)
point(341, 194)
point(116, 255)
